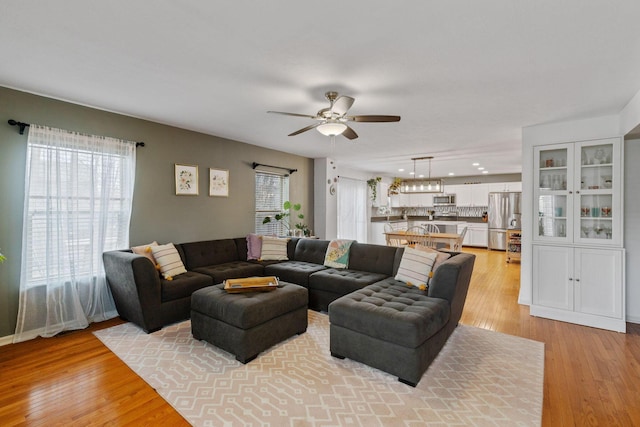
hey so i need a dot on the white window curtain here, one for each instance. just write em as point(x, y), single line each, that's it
point(353, 214)
point(78, 193)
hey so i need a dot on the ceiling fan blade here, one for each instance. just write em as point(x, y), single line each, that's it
point(373, 118)
point(349, 133)
point(342, 105)
point(293, 114)
point(315, 125)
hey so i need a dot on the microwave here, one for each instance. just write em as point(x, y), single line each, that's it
point(444, 200)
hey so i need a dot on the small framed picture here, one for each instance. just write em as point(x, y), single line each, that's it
point(186, 180)
point(218, 182)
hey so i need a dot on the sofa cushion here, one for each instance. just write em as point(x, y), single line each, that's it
point(310, 250)
point(297, 272)
point(231, 270)
point(342, 281)
point(373, 258)
point(209, 252)
point(392, 312)
point(183, 285)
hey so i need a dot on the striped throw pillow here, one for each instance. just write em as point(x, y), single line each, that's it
point(168, 260)
point(274, 249)
point(415, 267)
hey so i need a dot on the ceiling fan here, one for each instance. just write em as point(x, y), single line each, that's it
point(332, 120)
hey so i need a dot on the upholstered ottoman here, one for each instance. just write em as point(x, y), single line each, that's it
point(391, 327)
point(248, 323)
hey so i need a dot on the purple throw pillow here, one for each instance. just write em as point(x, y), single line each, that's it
point(254, 246)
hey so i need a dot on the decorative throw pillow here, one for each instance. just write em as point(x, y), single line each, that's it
point(145, 250)
point(337, 255)
point(274, 249)
point(168, 260)
point(415, 267)
point(442, 256)
point(254, 246)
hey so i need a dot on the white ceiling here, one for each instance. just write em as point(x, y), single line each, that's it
point(465, 75)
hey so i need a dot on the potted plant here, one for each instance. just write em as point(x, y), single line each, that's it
point(283, 217)
point(394, 187)
point(373, 185)
point(2, 258)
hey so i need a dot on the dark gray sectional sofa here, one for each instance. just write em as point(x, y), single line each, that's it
point(143, 297)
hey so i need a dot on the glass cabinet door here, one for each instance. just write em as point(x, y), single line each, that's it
point(553, 182)
point(597, 196)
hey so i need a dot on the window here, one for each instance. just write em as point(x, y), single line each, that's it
point(272, 190)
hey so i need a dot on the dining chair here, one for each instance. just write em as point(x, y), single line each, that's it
point(432, 228)
point(393, 241)
point(418, 235)
point(458, 244)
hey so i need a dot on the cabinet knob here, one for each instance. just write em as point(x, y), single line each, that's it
point(571, 192)
point(570, 279)
point(577, 280)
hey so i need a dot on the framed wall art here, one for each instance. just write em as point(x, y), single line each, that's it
point(186, 180)
point(218, 182)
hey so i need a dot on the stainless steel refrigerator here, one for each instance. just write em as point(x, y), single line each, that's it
point(504, 213)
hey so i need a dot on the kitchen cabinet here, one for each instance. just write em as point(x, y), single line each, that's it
point(476, 235)
point(578, 258)
point(471, 194)
point(579, 285)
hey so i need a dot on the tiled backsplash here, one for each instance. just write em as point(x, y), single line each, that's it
point(462, 211)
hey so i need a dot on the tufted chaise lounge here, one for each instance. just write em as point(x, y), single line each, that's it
point(400, 329)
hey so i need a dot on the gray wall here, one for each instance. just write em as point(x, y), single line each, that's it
point(158, 214)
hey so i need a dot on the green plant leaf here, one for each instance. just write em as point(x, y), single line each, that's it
point(287, 205)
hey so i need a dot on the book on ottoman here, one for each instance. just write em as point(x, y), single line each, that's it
point(248, 284)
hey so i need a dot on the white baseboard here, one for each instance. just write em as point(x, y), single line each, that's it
point(633, 319)
point(6, 340)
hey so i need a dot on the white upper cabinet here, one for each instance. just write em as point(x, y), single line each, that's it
point(470, 194)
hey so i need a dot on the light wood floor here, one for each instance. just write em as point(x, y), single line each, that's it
point(592, 377)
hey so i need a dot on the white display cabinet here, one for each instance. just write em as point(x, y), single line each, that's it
point(578, 192)
point(578, 258)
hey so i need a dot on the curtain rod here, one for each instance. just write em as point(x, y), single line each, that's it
point(24, 125)
point(255, 165)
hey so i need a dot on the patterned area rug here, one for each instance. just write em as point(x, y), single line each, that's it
point(480, 378)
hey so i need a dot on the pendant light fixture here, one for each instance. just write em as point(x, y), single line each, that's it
point(421, 185)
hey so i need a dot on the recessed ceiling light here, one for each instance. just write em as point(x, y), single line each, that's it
point(451, 173)
point(475, 164)
point(412, 173)
point(400, 170)
point(481, 168)
point(420, 176)
point(485, 171)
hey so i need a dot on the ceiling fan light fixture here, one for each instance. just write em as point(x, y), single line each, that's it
point(332, 128)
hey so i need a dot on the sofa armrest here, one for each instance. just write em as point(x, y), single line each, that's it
point(451, 282)
point(135, 286)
